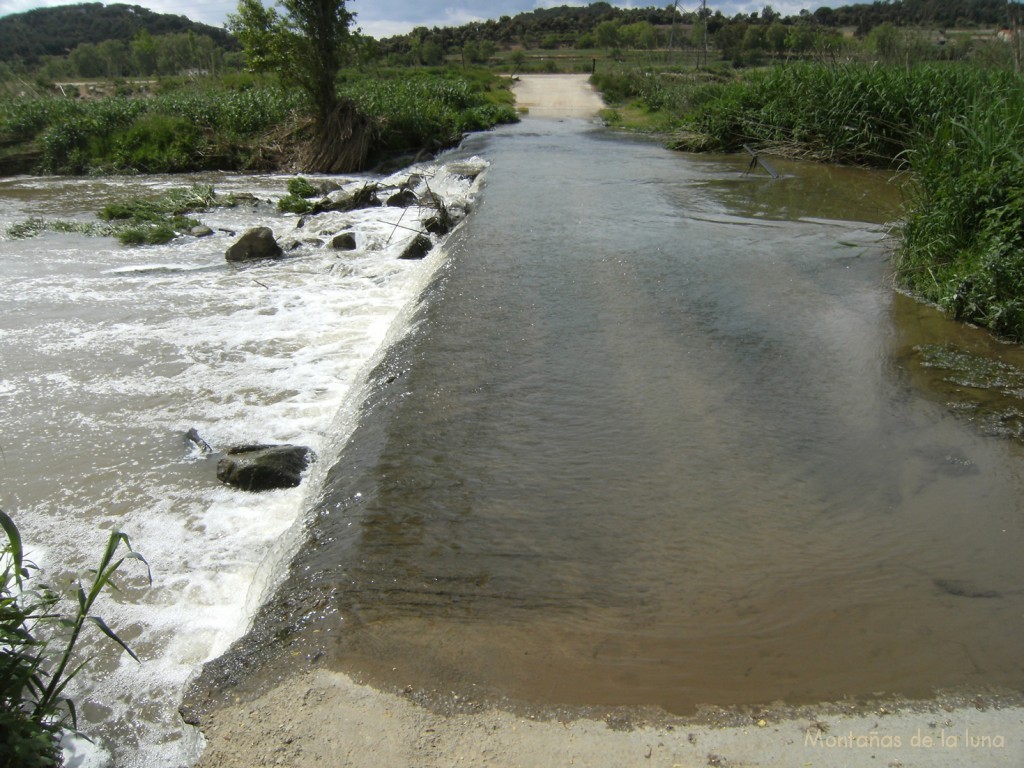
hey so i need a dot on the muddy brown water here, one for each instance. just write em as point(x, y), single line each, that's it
point(664, 434)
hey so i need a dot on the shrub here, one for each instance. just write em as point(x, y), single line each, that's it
point(157, 144)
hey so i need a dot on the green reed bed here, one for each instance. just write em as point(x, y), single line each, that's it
point(861, 114)
point(177, 131)
point(431, 109)
point(208, 128)
point(963, 236)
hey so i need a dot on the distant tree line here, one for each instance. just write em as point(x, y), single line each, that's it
point(27, 37)
point(601, 25)
point(145, 55)
point(559, 27)
point(92, 40)
point(931, 13)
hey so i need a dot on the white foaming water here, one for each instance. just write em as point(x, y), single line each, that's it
point(109, 354)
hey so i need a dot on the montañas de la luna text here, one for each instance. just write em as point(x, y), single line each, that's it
point(923, 739)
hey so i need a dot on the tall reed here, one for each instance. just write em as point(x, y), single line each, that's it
point(38, 657)
point(963, 237)
point(842, 113)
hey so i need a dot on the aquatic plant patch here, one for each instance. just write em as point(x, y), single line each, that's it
point(136, 221)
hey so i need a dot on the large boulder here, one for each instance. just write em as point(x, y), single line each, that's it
point(257, 243)
point(264, 467)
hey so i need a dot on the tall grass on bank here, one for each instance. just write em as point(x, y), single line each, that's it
point(661, 101)
point(219, 128)
point(854, 113)
point(963, 238)
point(426, 110)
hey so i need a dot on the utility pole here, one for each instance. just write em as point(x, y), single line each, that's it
point(1013, 10)
point(672, 33)
point(702, 51)
point(704, 13)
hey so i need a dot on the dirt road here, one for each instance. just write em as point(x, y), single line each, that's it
point(557, 96)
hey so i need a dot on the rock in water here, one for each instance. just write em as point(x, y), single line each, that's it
point(403, 199)
point(349, 199)
point(346, 241)
point(257, 243)
point(264, 467)
point(418, 248)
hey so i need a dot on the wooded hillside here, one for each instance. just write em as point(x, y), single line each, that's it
point(565, 25)
point(26, 37)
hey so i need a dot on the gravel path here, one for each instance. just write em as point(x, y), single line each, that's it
point(557, 96)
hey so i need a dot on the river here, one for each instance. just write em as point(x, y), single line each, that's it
point(109, 355)
point(649, 430)
point(665, 435)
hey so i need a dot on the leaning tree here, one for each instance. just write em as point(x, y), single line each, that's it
point(306, 45)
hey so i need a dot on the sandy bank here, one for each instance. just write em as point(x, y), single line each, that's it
point(557, 96)
point(325, 719)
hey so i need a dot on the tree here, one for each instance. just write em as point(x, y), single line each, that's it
point(87, 61)
point(607, 34)
point(885, 40)
point(306, 45)
point(776, 37)
point(144, 53)
point(800, 38)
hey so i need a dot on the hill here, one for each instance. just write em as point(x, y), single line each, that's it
point(566, 25)
point(28, 36)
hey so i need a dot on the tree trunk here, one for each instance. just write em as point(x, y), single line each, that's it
point(341, 140)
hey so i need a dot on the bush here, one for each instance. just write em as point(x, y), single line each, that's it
point(157, 144)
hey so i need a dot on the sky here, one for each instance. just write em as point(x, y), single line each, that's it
point(383, 18)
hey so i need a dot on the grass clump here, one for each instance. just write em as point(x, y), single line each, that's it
point(36, 226)
point(154, 221)
point(38, 644)
point(297, 200)
point(302, 187)
point(174, 202)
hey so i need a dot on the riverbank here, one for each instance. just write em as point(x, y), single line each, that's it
point(242, 125)
point(325, 718)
